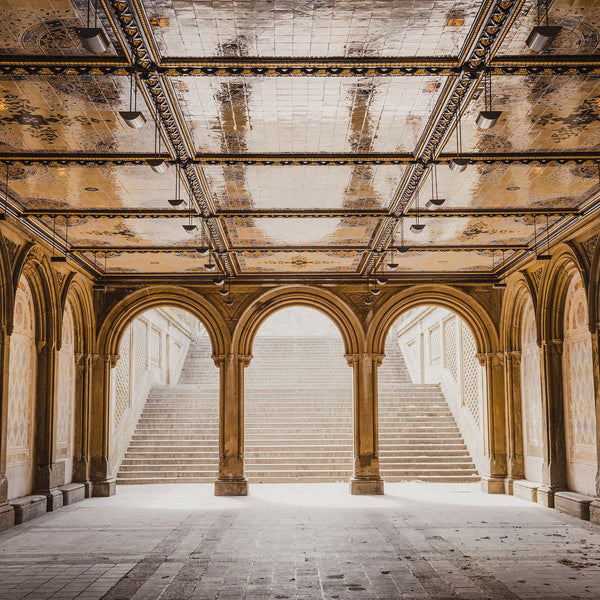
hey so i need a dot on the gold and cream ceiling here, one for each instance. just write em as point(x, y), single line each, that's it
point(306, 133)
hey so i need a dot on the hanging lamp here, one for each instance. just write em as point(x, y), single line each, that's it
point(402, 248)
point(458, 163)
point(56, 258)
point(210, 265)
point(547, 256)
point(499, 284)
point(157, 164)
point(542, 36)
point(133, 117)
point(435, 201)
point(202, 248)
point(178, 199)
point(392, 265)
point(417, 226)
point(488, 117)
point(189, 226)
point(93, 38)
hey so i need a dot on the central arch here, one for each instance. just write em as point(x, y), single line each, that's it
point(288, 296)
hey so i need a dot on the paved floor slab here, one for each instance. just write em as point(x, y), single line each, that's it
point(303, 542)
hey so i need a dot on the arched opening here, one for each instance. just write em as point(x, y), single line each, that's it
point(164, 400)
point(578, 391)
point(431, 389)
point(20, 450)
point(298, 400)
point(65, 398)
point(531, 395)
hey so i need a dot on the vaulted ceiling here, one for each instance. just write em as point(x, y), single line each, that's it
point(306, 134)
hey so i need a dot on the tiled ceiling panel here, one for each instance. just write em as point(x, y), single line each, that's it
point(464, 231)
point(309, 28)
point(148, 262)
point(541, 113)
point(70, 113)
point(515, 186)
point(302, 187)
point(117, 231)
point(40, 187)
point(299, 262)
point(47, 27)
point(420, 261)
point(301, 231)
point(580, 22)
point(307, 114)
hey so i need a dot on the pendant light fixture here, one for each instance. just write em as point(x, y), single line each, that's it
point(210, 265)
point(488, 117)
point(5, 199)
point(93, 38)
point(374, 290)
point(538, 256)
point(219, 281)
point(178, 200)
point(547, 256)
point(55, 258)
point(417, 226)
point(403, 247)
point(224, 291)
point(499, 284)
point(203, 248)
point(190, 225)
point(458, 163)
point(435, 201)
point(133, 117)
point(157, 164)
point(392, 265)
point(542, 36)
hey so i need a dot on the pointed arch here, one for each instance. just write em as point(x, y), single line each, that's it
point(520, 289)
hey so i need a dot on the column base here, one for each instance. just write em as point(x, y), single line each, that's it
point(493, 485)
point(55, 499)
point(595, 511)
point(545, 496)
point(366, 487)
point(231, 487)
point(7, 517)
point(104, 489)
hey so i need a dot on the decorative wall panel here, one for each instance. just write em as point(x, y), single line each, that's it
point(579, 399)
point(531, 384)
point(21, 395)
point(122, 379)
point(450, 356)
point(471, 374)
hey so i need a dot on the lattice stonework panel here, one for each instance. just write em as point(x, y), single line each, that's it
point(435, 343)
point(140, 349)
point(65, 404)
point(450, 347)
point(580, 420)
point(122, 373)
point(531, 384)
point(22, 369)
point(471, 368)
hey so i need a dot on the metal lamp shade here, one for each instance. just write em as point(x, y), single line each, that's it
point(189, 227)
point(544, 257)
point(175, 201)
point(158, 165)
point(58, 259)
point(133, 118)
point(403, 249)
point(381, 280)
point(202, 250)
point(218, 281)
point(542, 36)
point(393, 266)
point(499, 285)
point(375, 291)
point(210, 266)
point(434, 202)
point(93, 39)
point(417, 227)
point(459, 164)
point(486, 119)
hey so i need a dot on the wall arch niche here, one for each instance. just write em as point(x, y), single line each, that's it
point(22, 394)
point(578, 391)
point(531, 395)
point(65, 401)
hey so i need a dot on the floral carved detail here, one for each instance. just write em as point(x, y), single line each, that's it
point(11, 248)
point(537, 276)
point(591, 244)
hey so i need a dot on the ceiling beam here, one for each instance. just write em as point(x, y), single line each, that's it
point(297, 66)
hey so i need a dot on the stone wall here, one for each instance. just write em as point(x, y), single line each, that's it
point(438, 347)
point(152, 351)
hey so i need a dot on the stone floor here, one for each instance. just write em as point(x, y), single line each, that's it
point(302, 541)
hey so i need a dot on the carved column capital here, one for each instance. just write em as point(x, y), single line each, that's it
point(552, 346)
point(495, 359)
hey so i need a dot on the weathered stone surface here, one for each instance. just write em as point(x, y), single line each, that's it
point(55, 500)
point(493, 485)
point(573, 504)
point(545, 496)
point(366, 487)
point(72, 492)
point(29, 507)
point(526, 490)
point(595, 511)
point(7, 517)
point(231, 487)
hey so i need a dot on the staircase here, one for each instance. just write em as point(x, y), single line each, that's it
point(418, 436)
point(298, 420)
point(177, 436)
point(298, 411)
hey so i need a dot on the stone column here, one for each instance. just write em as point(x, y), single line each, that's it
point(595, 505)
point(554, 468)
point(514, 429)
point(7, 514)
point(81, 450)
point(494, 424)
point(49, 474)
point(231, 480)
point(366, 479)
point(100, 469)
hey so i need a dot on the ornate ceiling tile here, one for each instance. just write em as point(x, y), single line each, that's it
point(299, 262)
point(135, 263)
